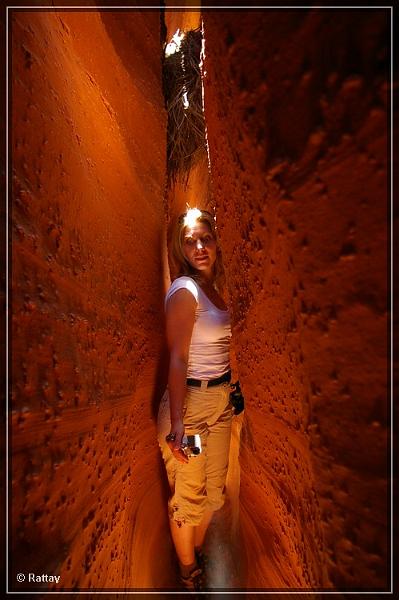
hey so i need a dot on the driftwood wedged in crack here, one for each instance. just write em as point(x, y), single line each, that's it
point(183, 95)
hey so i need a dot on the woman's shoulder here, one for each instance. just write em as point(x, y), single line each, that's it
point(183, 283)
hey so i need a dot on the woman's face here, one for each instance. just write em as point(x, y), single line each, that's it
point(199, 247)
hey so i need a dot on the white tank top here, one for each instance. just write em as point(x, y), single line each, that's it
point(210, 342)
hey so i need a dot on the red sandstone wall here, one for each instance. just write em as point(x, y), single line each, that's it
point(88, 141)
point(296, 108)
point(184, 20)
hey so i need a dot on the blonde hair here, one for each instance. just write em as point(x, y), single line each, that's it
point(182, 266)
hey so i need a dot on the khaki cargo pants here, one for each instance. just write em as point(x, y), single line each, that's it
point(198, 486)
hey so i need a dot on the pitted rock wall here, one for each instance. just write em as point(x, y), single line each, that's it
point(296, 109)
point(88, 279)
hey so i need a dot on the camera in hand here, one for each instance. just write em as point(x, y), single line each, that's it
point(191, 445)
point(236, 398)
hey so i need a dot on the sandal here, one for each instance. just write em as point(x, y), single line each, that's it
point(194, 580)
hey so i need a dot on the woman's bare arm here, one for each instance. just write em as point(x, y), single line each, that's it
point(180, 316)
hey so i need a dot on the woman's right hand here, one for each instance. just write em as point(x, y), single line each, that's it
point(180, 317)
point(177, 429)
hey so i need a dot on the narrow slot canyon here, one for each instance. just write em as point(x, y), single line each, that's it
point(296, 107)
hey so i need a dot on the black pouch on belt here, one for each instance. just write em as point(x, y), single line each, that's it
point(236, 398)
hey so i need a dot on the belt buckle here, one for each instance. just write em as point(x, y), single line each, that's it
point(204, 384)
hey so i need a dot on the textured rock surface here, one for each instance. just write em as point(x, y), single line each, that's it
point(183, 20)
point(88, 254)
point(296, 109)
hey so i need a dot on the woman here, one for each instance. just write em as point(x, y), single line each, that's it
point(197, 399)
